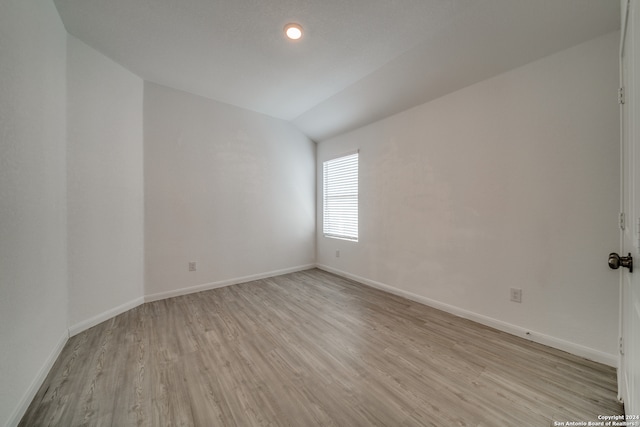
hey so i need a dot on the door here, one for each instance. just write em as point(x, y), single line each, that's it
point(629, 371)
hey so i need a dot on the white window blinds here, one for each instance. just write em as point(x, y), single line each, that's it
point(340, 197)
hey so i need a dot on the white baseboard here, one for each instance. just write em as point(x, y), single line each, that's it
point(106, 315)
point(20, 410)
point(560, 344)
point(223, 283)
point(89, 323)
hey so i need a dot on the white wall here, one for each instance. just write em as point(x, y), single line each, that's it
point(511, 182)
point(33, 244)
point(230, 189)
point(105, 187)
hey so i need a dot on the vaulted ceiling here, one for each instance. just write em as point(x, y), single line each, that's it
point(359, 60)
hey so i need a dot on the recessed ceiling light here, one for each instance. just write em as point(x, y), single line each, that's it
point(293, 31)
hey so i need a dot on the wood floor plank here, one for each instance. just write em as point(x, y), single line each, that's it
point(311, 348)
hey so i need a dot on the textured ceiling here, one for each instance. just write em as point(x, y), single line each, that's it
point(359, 60)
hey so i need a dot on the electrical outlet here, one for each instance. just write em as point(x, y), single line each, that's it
point(192, 266)
point(516, 295)
point(337, 254)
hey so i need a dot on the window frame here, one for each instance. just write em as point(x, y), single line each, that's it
point(340, 197)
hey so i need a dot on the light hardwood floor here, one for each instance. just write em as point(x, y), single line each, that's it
point(307, 349)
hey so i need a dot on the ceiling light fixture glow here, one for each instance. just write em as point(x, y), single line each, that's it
point(293, 31)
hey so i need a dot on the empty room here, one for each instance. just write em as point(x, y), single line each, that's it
point(319, 213)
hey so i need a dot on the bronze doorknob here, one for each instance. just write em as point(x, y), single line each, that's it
point(615, 261)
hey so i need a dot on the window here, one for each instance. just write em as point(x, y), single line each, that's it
point(340, 197)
